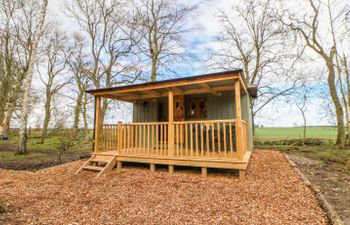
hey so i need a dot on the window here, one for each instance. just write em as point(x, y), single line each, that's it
point(197, 108)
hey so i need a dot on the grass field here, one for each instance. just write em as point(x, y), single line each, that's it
point(278, 133)
point(41, 155)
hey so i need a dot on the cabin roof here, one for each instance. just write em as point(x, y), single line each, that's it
point(214, 83)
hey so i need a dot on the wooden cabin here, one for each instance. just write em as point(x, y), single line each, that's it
point(197, 121)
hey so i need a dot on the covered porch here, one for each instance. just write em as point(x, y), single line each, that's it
point(174, 124)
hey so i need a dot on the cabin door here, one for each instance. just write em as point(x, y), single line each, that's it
point(179, 108)
point(179, 115)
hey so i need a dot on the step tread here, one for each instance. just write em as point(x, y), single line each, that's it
point(96, 168)
point(100, 160)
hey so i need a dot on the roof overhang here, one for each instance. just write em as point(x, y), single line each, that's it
point(214, 83)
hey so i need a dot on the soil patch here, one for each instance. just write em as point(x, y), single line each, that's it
point(332, 179)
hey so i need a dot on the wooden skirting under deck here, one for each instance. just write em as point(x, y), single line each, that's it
point(179, 161)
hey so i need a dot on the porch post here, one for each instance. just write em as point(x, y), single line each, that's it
point(97, 124)
point(171, 123)
point(238, 121)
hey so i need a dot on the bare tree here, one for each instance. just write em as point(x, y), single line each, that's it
point(111, 39)
point(162, 26)
point(53, 78)
point(78, 67)
point(252, 39)
point(16, 35)
point(28, 79)
point(307, 27)
point(301, 99)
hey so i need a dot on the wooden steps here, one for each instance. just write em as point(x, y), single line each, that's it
point(102, 161)
point(94, 168)
point(101, 165)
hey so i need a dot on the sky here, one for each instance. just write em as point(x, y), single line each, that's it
point(277, 114)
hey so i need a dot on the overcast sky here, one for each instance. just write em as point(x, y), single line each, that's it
point(276, 114)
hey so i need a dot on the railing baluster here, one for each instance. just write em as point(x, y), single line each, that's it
point(213, 139)
point(161, 138)
point(191, 139)
point(140, 139)
point(231, 136)
point(144, 139)
point(202, 140)
point(131, 136)
point(166, 147)
point(177, 139)
point(219, 139)
point(207, 137)
point(225, 144)
point(148, 139)
point(196, 139)
point(186, 140)
point(124, 133)
point(181, 139)
point(157, 136)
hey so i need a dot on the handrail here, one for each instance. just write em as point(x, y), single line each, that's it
point(205, 121)
point(137, 123)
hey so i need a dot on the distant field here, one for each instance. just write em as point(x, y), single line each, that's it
point(277, 133)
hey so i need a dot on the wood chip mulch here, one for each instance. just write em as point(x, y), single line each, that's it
point(272, 194)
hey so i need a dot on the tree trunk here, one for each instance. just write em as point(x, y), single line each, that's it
point(154, 70)
point(104, 110)
point(304, 118)
point(10, 107)
point(86, 128)
point(47, 118)
point(251, 102)
point(338, 107)
point(5, 125)
point(28, 80)
point(77, 111)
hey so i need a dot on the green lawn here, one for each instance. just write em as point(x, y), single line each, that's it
point(279, 133)
point(37, 152)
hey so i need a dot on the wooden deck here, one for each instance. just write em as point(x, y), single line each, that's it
point(205, 144)
point(126, 155)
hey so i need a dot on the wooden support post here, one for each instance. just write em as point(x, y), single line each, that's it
point(153, 167)
point(204, 171)
point(119, 165)
point(171, 124)
point(97, 123)
point(239, 139)
point(171, 169)
point(242, 175)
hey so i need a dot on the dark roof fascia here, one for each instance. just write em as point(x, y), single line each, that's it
point(188, 78)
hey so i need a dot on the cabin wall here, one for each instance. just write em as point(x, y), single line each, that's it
point(218, 107)
point(247, 116)
point(145, 114)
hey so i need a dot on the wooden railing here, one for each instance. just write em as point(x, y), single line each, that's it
point(211, 139)
point(135, 138)
point(214, 139)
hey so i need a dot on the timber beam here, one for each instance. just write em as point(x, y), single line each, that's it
point(207, 87)
point(177, 91)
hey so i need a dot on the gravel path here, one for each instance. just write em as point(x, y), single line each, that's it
point(272, 194)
